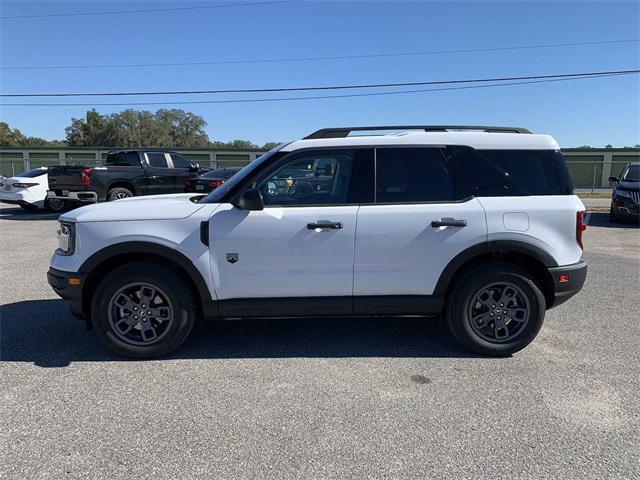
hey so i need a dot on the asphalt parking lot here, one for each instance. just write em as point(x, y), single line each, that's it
point(383, 398)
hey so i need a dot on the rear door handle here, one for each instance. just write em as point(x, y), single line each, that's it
point(321, 224)
point(448, 222)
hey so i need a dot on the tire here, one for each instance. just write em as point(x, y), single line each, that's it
point(464, 307)
point(117, 193)
point(613, 218)
point(123, 290)
point(54, 205)
point(28, 207)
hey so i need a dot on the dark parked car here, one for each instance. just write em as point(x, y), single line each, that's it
point(625, 200)
point(126, 173)
point(210, 180)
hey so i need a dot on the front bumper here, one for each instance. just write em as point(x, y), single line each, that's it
point(68, 285)
point(567, 281)
point(625, 207)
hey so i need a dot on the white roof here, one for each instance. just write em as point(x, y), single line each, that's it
point(477, 140)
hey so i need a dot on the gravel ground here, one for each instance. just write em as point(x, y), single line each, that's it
point(322, 398)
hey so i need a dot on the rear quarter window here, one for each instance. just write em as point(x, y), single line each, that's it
point(512, 172)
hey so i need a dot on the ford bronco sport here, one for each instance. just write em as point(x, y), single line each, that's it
point(478, 225)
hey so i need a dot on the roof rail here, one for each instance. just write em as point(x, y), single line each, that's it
point(342, 132)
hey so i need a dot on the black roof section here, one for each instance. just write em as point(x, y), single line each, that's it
point(143, 150)
point(342, 132)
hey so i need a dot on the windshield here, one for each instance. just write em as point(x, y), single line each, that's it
point(33, 173)
point(220, 192)
point(632, 174)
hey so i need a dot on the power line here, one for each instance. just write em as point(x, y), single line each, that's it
point(313, 59)
point(316, 88)
point(320, 97)
point(149, 10)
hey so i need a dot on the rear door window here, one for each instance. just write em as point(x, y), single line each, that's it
point(157, 160)
point(412, 175)
point(123, 159)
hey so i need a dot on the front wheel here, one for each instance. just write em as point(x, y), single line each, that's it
point(496, 310)
point(142, 310)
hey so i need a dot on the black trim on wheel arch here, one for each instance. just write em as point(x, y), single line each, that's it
point(488, 247)
point(71, 294)
point(208, 303)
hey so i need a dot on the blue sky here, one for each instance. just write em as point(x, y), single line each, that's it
point(594, 112)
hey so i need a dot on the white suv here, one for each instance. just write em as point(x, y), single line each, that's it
point(477, 224)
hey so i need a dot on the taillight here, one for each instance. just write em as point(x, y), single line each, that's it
point(581, 226)
point(216, 183)
point(86, 176)
point(24, 185)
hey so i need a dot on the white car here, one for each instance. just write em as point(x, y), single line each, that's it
point(477, 224)
point(29, 191)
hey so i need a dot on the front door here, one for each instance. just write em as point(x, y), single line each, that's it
point(160, 178)
point(420, 219)
point(296, 256)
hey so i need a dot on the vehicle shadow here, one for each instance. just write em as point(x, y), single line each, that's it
point(44, 333)
point(30, 215)
point(602, 220)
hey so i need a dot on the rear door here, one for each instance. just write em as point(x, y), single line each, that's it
point(160, 177)
point(296, 256)
point(420, 218)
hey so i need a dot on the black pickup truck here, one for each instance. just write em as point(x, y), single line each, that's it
point(126, 173)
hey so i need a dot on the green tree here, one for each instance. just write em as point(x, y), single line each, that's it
point(12, 137)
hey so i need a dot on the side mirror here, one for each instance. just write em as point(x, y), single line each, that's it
point(250, 200)
point(194, 167)
point(613, 179)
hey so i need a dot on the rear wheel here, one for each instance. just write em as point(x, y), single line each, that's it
point(54, 204)
point(118, 193)
point(142, 310)
point(496, 310)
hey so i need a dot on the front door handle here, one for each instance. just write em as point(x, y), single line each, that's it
point(448, 222)
point(322, 224)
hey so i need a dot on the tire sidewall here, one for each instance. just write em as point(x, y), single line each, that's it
point(460, 323)
point(171, 284)
point(115, 191)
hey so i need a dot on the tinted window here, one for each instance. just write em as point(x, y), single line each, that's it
point(631, 174)
point(180, 162)
point(33, 173)
point(157, 160)
point(512, 172)
point(123, 159)
point(220, 173)
point(405, 175)
point(320, 178)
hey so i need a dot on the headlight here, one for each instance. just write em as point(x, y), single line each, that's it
point(66, 238)
point(623, 193)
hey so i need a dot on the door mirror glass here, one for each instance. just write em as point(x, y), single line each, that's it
point(250, 200)
point(613, 179)
point(194, 167)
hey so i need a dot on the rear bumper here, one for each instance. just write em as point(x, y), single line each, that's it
point(84, 196)
point(71, 294)
point(567, 281)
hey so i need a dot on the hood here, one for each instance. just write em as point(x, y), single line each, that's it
point(622, 185)
point(153, 207)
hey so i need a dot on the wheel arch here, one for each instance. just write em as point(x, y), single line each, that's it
point(106, 260)
point(529, 257)
point(122, 184)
